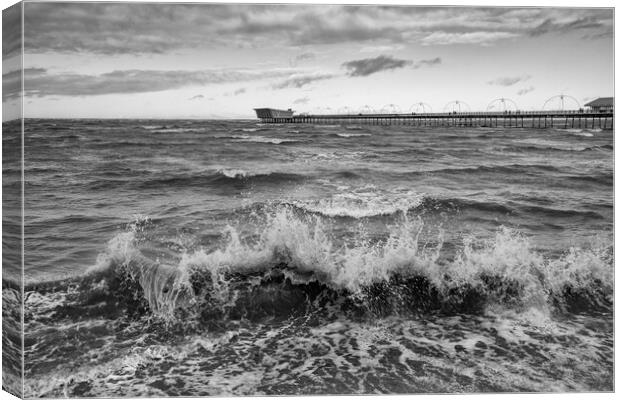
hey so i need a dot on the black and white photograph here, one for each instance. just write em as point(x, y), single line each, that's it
point(228, 199)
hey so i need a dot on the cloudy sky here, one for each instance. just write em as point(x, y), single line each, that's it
point(112, 60)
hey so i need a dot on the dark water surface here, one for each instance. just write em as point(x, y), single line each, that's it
point(231, 257)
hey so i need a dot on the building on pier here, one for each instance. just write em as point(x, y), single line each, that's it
point(602, 104)
point(270, 113)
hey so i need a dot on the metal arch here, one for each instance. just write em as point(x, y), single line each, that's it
point(561, 97)
point(391, 109)
point(458, 105)
point(366, 109)
point(503, 101)
point(424, 106)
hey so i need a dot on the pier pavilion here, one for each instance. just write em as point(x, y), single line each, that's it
point(602, 104)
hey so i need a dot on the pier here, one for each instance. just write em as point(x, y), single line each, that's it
point(508, 119)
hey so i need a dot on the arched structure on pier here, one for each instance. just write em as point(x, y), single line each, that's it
point(561, 102)
point(366, 109)
point(390, 109)
point(502, 104)
point(420, 108)
point(456, 106)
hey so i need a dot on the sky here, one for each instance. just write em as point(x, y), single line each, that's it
point(138, 60)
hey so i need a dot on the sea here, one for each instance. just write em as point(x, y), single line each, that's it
point(231, 257)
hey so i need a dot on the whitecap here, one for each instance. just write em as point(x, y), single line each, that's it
point(263, 139)
point(349, 135)
point(363, 203)
point(233, 172)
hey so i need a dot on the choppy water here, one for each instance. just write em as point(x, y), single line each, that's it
point(231, 257)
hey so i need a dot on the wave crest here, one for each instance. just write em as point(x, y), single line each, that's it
point(349, 135)
point(293, 263)
point(364, 203)
point(503, 271)
point(264, 139)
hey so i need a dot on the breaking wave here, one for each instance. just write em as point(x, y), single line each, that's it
point(368, 204)
point(172, 130)
point(293, 265)
point(504, 169)
point(221, 177)
point(545, 149)
point(235, 173)
point(244, 175)
point(263, 139)
point(349, 135)
point(352, 207)
point(581, 132)
point(250, 129)
point(364, 202)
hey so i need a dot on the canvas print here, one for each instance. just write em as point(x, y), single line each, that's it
point(251, 199)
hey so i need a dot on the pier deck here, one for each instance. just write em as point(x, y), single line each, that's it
point(518, 119)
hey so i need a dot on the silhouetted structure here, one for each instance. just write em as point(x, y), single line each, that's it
point(602, 104)
point(508, 119)
point(267, 113)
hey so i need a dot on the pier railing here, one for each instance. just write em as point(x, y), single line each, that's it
point(509, 119)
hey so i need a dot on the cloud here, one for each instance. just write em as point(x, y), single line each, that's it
point(369, 66)
point(305, 56)
point(298, 25)
point(120, 28)
point(508, 80)
point(11, 31)
point(600, 35)
point(382, 48)
point(481, 37)
point(550, 26)
point(301, 80)
point(235, 92)
point(11, 85)
point(38, 82)
point(301, 100)
point(525, 90)
point(427, 63)
point(197, 97)
point(156, 28)
point(545, 27)
point(293, 62)
point(318, 30)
